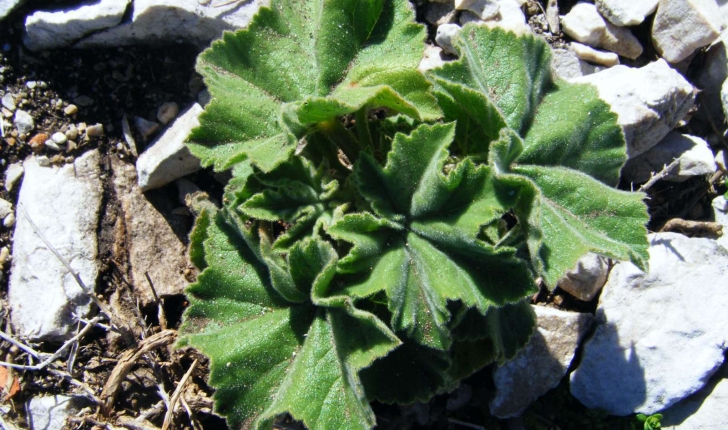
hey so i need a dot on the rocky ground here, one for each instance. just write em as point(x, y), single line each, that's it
point(97, 102)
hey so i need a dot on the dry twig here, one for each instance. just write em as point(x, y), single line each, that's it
point(660, 175)
point(693, 227)
point(127, 361)
point(175, 397)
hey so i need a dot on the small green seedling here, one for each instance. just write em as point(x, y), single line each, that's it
point(651, 422)
point(383, 227)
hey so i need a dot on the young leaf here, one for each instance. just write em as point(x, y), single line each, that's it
point(304, 62)
point(270, 356)
point(423, 249)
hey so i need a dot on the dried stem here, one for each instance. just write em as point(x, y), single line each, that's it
point(175, 397)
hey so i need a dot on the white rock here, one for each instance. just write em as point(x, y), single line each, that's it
point(682, 26)
point(587, 53)
point(431, 58)
point(43, 161)
point(9, 221)
point(152, 235)
point(59, 138)
point(48, 30)
point(63, 203)
point(145, 127)
point(694, 155)
point(159, 21)
point(444, 36)
point(167, 112)
point(13, 175)
point(707, 410)
point(588, 277)
point(7, 6)
point(649, 101)
point(720, 215)
point(23, 122)
point(585, 25)
point(52, 412)
point(566, 65)
point(721, 161)
point(168, 158)
point(6, 208)
point(660, 334)
point(541, 364)
point(440, 13)
point(510, 17)
point(8, 101)
point(626, 12)
point(484, 9)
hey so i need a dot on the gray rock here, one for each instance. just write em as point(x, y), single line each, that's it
point(707, 410)
point(49, 30)
point(588, 277)
point(682, 26)
point(165, 21)
point(693, 154)
point(431, 59)
point(63, 203)
point(8, 101)
point(168, 158)
point(23, 122)
point(541, 364)
point(661, 334)
point(510, 17)
point(587, 53)
point(626, 12)
point(7, 6)
point(484, 9)
point(585, 25)
point(167, 112)
point(649, 101)
point(720, 215)
point(440, 13)
point(153, 235)
point(444, 36)
point(566, 65)
point(145, 127)
point(13, 175)
point(52, 412)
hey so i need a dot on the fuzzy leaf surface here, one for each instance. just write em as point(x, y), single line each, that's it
point(270, 356)
point(304, 62)
point(421, 247)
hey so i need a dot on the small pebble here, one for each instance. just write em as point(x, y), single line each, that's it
point(167, 112)
point(53, 146)
point(9, 221)
point(7, 113)
point(71, 145)
point(31, 84)
point(37, 142)
point(10, 141)
point(13, 175)
point(4, 255)
point(43, 161)
point(57, 159)
point(72, 132)
point(8, 101)
point(83, 101)
point(59, 138)
point(96, 130)
point(6, 208)
point(146, 128)
point(81, 127)
point(23, 122)
point(70, 110)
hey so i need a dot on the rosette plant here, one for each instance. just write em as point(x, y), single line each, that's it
point(383, 227)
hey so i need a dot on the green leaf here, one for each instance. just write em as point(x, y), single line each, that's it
point(270, 356)
point(423, 251)
point(304, 62)
point(568, 213)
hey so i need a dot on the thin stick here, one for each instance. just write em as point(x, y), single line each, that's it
point(657, 176)
point(190, 413)
point(175, 397)
point(89, 392)
point(25, 348)
point(465, 424)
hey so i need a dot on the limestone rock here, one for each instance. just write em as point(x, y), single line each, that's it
point(588, 277)
point(48, 30)
point(626, 12)
point(720, 215)
point(168, 158)
point(431, 59)
point(159, 21)
point(52, 412)
point(585, 25)
point(682, 26)
point(541, 364)
point(661, 334)
point(440, 13)
point(12, 175)
point(710, 79)
point(445, 33)
point(707, 410)
point(153, 234)
point(484, 9)
point(63, 203)
point(694, 155)
point(566, 65)
point(7, 6)
point(649, 101)
point(595, 56)
point(23, 122)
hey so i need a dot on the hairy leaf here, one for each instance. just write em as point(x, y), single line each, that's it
point(306, 62)
point(270, 356)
